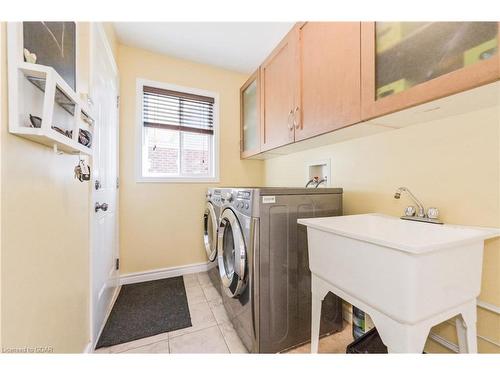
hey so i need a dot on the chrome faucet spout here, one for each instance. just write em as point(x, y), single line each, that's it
point(421, 209)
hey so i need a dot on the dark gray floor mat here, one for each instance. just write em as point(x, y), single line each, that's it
point(146, 309)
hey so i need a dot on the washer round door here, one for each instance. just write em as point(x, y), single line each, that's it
point(210, 231)
point(231, 254)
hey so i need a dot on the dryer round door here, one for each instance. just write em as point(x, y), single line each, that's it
point(210, 231)
point(232, 254)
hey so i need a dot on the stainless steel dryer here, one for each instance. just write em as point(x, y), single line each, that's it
point(210, 225)
point(264, 267)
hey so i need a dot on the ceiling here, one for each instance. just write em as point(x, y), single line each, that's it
point(238, 46)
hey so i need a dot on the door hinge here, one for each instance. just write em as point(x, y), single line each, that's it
point(117, 182)
point(117, 101)
point(117, 264)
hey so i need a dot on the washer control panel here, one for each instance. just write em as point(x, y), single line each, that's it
point(242, 201)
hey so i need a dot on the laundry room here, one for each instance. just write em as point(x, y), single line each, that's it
point(308, 184)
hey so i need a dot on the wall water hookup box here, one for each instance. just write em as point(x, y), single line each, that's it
point(320, 169)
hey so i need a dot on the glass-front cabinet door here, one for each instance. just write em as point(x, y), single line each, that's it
point(409, 63)
point(250, 116)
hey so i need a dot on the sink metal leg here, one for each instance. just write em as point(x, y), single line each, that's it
point(319, 289)
point(461, 334)
point(398, 337)
point(315, 322)
point(466, 329)
point(414, 339)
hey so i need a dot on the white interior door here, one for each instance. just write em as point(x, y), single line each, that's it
point(104, 253)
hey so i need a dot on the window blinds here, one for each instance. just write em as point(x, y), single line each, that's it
point(167, 109)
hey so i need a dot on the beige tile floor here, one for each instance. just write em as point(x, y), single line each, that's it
point(211, 330)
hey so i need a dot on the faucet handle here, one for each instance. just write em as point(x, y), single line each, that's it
point(410, 211)
point(432, 213)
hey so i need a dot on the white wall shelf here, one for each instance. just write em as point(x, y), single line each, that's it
point(38, 90)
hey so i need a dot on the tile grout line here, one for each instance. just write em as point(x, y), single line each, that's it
point(218, 326)
point(141, 346)
point(199, 329)
point(185, 287)
point(205, 328)
point(211, 311)
point(196, 330)
point(216, 322)
point(187, 298)
point(224, 338)
point(203, 291)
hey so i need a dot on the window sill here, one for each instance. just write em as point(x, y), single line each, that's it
point(178, 180)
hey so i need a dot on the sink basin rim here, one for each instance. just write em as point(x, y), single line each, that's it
point(483, 233)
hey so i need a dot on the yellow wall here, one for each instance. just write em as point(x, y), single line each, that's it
point(45, 245)
point(452, 164)
point(161, 223)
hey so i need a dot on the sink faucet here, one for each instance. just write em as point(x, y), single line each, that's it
point(421, 210)
point(430, 217)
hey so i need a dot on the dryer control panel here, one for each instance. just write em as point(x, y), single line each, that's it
point(214, 196)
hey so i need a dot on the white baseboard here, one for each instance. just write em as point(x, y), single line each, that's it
point(443, 342)
point(88, 348)
point(452, 323)
point(488, 306)
point(162, 273)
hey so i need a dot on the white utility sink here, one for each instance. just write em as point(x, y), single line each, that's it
point(403, 272)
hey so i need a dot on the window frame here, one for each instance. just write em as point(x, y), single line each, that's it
point(140, 135)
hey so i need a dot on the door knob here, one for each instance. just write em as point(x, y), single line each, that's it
point(102, 206)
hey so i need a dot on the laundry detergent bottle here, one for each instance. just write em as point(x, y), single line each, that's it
point(358, 322)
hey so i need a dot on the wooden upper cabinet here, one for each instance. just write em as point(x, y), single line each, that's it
point(279, 93)
point(409, 63)
point(250, 116)
point(324, 76)
point(330, 59)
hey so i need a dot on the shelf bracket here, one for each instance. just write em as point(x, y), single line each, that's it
point(56, 150)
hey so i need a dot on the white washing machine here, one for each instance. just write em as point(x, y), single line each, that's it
point(211, 218)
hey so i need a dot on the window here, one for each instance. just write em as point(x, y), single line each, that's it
point(178, 133)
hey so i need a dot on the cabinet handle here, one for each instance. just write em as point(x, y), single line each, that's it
point(289, 122)
point(295, 122)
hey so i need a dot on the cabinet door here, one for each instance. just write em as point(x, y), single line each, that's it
point(409, 63)
point(250, 116)
point(279, 78)
point(330, 58)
